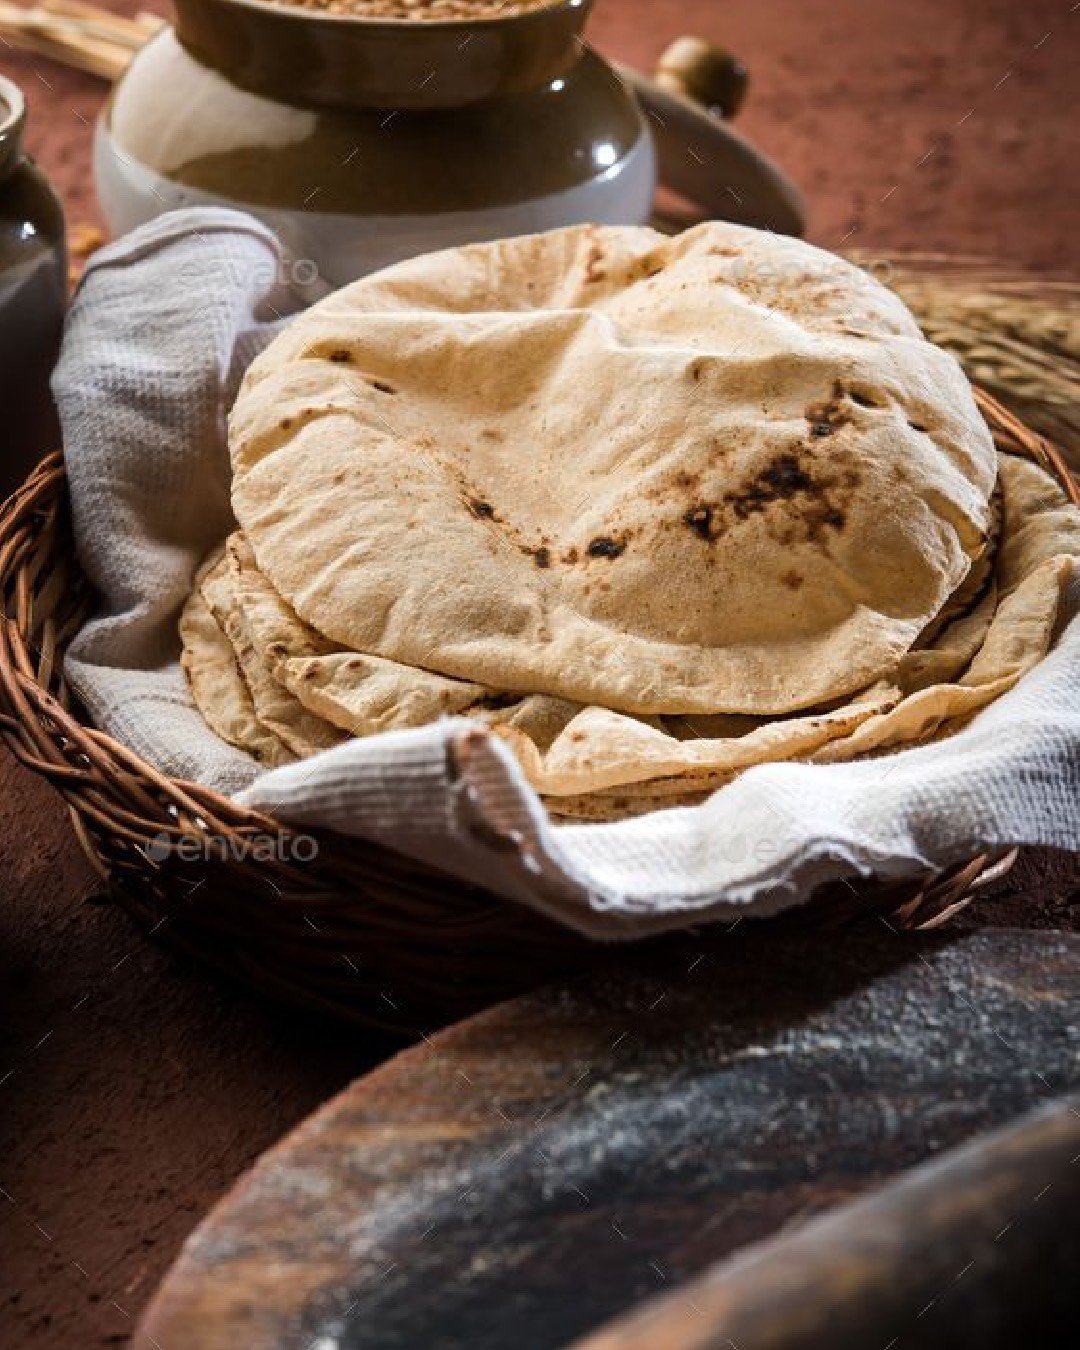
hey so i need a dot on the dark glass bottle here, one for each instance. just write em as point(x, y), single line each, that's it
point(33, 292)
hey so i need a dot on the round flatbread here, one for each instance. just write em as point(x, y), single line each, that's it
point(598, 749)
point(717, 473)
point(602, 765)
point(1037, 559)
point(359, 694)
point(217, 685)
point(563, 746)
point(275, 709)
point(973, 590)
point(592, 763)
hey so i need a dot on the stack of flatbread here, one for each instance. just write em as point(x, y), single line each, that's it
point(653, 509)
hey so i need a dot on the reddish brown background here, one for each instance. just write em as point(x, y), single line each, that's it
point(136, 1087)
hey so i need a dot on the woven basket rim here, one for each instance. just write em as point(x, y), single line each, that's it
point(280, 927)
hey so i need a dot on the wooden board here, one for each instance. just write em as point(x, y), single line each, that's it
point(979, 1247)
point(524, 1177)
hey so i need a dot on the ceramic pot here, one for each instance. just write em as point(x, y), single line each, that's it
point(363, 142)
point(33, 292)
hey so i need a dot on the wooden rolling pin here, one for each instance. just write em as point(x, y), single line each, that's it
point(979, 1247)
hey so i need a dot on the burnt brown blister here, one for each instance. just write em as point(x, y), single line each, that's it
point(700, 520)
point(605, 546)
point(819, 500)
point(828, 416)
point(781, 480)
point(834, 412)
point(495, 702)
point(593, 259)
point(644, 269)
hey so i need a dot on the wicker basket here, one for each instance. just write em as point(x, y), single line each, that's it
point(359, 931)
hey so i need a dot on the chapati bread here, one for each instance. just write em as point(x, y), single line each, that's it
point(556, 740)
point(276, 711)
point(717, 473)
point(599, 749)
point(360, 694)
point(1038, 556)
point(973, 589)
point(217, 686)
point(950, 653)
point(594, 763)
point(601, 807)
point(1037, 559)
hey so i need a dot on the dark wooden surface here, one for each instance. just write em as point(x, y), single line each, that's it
point(525, 1176)
point(134, 1087)
point(978, 1248)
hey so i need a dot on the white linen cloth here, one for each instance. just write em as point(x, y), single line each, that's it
point(160, 332)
